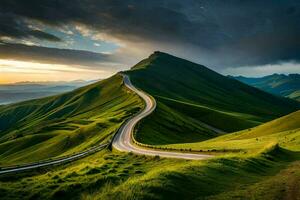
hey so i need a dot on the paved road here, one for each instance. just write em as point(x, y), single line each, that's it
point(123, 140)
point(66, 159)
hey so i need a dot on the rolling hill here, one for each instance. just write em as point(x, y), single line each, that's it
point(261, 162)
point(278, 84)
point(63, 124)
point(192, 98)
point(270, 172)
point(257, 163)
point(284, 132)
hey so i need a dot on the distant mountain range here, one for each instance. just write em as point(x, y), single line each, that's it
point(278, 84)
point(21, 91)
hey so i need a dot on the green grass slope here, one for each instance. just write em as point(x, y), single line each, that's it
point(279, 84)
point(66, 123)
point(273, 174)
point(189, 95)
point(284, 132)
point(295, 95)
point(258, 163)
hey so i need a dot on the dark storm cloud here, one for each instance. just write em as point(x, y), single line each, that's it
point(53, 55)
point(224, 33)
point(14, 26)
point(43, 35)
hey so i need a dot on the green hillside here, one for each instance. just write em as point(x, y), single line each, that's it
point(271, 172)
point(284, 131)
point(256, 163)
point(190, 95)
point(64, 124)
point(279, 84)
point(295, 95)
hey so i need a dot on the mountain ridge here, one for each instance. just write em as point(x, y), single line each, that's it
point(187, 90)
point(278, 84)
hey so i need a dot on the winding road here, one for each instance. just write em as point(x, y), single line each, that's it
point(123, 139)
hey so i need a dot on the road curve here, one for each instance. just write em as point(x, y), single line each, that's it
point(21, 168)
point(123, 139)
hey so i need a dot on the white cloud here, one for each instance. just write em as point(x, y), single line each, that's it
point(83, 30)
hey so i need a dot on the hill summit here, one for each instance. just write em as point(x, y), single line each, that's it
point(188, 92)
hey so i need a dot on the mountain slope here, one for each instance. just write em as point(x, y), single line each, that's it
point(279, 84)
point(262, 167)
point(284, 132)
point(64, 124)
point(268, 174)
point(189, 94)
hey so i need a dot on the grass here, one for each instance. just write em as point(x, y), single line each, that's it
point(295, 95)
point(198, 179)
point(256, 163)
point(283, 185)
point(284, 132)
point(190, 95)
point(113, 175)
point(72, 180)
point(167, 125)
point(64, 124)
point(266, 166)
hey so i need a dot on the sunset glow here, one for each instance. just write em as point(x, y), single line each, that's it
point(15, 71)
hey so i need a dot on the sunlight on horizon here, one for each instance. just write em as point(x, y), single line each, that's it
point(18, 71)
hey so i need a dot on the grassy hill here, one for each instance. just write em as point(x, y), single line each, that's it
point(270, 172)
point(295, 95)
point(191, 96)
point(279, 84)
point(284, 131)
point(257, 163)
point(64, 124)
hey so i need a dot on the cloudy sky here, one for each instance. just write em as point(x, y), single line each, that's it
point(91, 39)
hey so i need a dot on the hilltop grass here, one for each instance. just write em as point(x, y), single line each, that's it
point(65, 124)
point(190, 96)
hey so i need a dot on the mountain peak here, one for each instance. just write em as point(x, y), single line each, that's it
point(165, 60)
point(161, 55)
point(277, 75)
point(155, 56)
point(158, 53)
